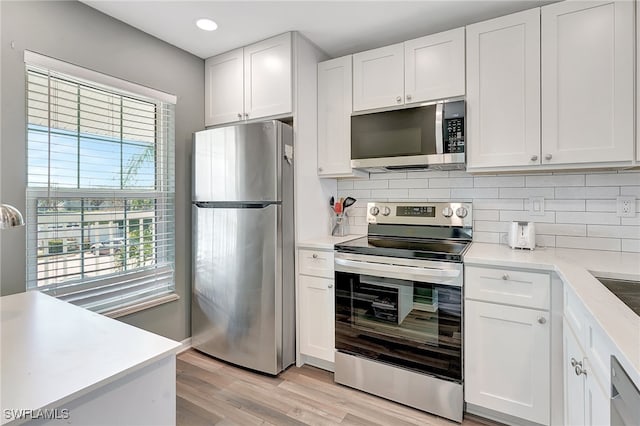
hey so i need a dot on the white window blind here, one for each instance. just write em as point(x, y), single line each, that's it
point(100, 192)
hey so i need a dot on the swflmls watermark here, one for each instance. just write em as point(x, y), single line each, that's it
point(37, 414)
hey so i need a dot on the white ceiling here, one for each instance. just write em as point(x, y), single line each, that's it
point(337, 27)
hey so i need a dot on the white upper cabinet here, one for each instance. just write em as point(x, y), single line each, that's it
point(334, 117)
point(378, 78)
point(424, 69)
point(587, 82)
point(434, 66)
point(224, 88)
point(250, 82)
point(503, 91)
point(267, 77)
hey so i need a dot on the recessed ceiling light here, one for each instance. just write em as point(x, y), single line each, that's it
point(206, 24)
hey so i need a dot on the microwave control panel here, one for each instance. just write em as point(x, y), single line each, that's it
point(453, 135)
point(453, 127)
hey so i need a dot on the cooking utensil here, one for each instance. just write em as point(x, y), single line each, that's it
point(348, 202)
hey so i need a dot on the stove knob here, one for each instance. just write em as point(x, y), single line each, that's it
point(374, 211)
point(461, 212)
point(447, 212)
point(386, 211)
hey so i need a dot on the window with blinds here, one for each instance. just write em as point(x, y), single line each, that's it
point(100, 193)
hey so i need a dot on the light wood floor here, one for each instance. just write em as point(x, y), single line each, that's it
point(212, 392)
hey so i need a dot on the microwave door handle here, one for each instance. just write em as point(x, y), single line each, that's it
point(368, 268)
point(439, 128)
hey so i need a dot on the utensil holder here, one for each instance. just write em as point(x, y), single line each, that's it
point(339, 225)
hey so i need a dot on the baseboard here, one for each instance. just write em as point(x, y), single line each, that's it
point(497, 416)
point(316, 362)
point(186, 345)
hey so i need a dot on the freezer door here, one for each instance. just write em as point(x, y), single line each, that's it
point(237, 163)
point(237, 286)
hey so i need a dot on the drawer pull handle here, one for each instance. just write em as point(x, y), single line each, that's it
point(505, 277)
point(579, 370)
point(574, 362)
point(315, 256)
point(542, 320)
point(330, 286)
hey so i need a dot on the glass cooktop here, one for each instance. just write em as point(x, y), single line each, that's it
point(627, 291)
point(444, 250)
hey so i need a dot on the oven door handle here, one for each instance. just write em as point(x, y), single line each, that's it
point(369, 268)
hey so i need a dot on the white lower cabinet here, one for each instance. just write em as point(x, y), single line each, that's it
point(507, 359)
point(316, 317)
point(507, 350)
point(587, 377)
point(316, 307)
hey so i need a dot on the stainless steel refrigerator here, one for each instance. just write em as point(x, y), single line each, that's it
point(243, 304)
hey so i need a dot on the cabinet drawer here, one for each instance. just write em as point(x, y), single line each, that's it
point(316, 262)
point(526, 289)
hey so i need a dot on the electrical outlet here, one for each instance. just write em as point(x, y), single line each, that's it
point(536, 206)
point(626, 206)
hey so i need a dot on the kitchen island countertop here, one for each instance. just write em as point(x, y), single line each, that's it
point(53, 352)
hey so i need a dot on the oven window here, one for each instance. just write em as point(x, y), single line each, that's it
point(394, 133)
point(410, 324)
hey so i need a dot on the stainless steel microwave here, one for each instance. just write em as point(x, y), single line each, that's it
point(424, 137)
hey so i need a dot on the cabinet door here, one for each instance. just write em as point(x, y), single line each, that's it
point(507, 360)
point(587, 82)
point(503, 91)
point(597, 402)
point(223, 85)
point(378, 78)
point(267, 77)
point(434, 66)
point(317, 317)
point(573, 384)
point(334, 116)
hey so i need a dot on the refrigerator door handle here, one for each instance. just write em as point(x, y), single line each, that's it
point(235, 204)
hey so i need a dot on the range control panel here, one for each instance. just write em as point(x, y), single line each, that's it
point(413, 213)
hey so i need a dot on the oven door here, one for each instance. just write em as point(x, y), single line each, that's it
point(407, 315)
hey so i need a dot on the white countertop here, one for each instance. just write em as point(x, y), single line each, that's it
point(326, 242)
point(575, 268)
point(53, 352)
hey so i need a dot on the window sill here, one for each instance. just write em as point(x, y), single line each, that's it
point(137, 307)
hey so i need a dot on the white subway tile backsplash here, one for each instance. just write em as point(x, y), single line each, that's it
point(498, 204)
point(562, 205)
point(429, 194)
point(601, 205)
point(600, 218)
point(486, 237)
point(580, 209)
point(490, 226)
point(575, 230)
point(526, 192)
point(600, 192)
point(486, 215)
point(370, 184)
point(613, 231)
point(525, 216)
point(473, 193)
point(588, 243)
point(630, 190)
point(498, 181)
point(451, 183)
point(345, 184)
point(614, 179)
point(409, 183)
point(555, 180)
point(631, 245)
point(389, 193)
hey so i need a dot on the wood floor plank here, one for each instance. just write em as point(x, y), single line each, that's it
point(216, 392)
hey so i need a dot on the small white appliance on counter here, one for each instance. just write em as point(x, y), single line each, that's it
point(522, 235)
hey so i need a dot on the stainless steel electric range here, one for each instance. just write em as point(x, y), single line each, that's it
point(399, 305)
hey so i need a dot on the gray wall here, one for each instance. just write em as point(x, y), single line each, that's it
point(76, 33)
